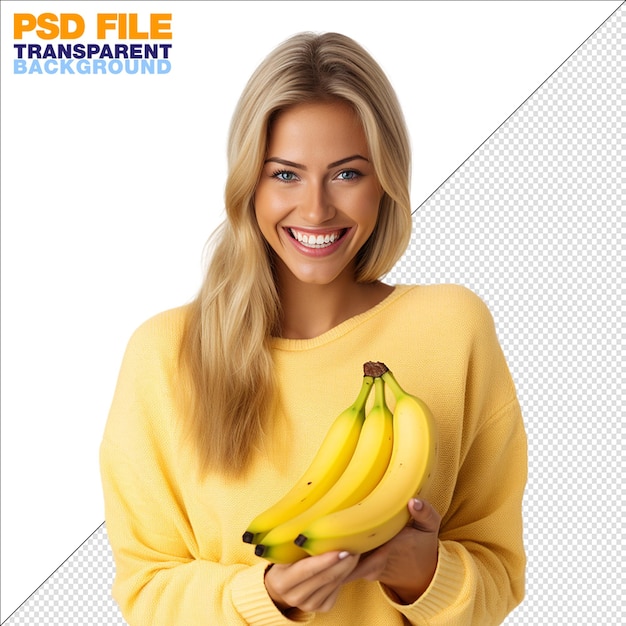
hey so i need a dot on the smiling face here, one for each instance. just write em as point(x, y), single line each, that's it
point(317, 200)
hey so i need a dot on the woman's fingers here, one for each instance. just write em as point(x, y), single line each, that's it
point(423, 516)
point(311, 584)
point(319, 593)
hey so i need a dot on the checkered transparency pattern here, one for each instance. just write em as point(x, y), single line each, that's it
point(533, 222)
point(78, 592)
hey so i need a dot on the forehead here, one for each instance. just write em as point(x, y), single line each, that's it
point(322, 124)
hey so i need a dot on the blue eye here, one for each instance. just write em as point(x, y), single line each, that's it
point(285, 176)
point(349, 174)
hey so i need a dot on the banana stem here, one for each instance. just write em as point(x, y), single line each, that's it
point(374, 368)
point(366, 387)
point(398, 392)
point(379, 392)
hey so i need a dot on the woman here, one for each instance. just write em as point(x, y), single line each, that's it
point(221, 404)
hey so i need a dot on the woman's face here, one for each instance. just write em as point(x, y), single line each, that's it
point(318, 196)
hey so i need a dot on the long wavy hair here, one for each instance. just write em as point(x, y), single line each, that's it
point(226, 349)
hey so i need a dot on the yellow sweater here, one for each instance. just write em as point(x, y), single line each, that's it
point(180, 559)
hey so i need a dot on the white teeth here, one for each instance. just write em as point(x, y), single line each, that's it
point(315, 241)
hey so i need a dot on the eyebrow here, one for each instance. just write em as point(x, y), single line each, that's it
point(303, 167)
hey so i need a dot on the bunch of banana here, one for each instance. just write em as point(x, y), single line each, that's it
point(365, 468)
point(364, 504)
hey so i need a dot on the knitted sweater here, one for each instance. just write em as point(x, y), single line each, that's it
point(176, 537)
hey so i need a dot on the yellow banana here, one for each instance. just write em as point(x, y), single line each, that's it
point(383, 512)
point(327, 465)
point(366, 468)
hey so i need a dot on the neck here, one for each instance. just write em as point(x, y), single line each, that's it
point(310, 310)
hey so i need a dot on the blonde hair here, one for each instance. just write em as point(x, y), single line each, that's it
point(226, 347)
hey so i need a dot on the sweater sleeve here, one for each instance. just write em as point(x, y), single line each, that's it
point(161, 579)
point(480, 576)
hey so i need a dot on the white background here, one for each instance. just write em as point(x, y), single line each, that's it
point(111, 185)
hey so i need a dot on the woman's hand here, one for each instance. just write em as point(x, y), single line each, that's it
point(311, 584)
point(405, 564)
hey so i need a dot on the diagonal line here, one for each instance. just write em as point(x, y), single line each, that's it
point(517, 109)
point(53, 573)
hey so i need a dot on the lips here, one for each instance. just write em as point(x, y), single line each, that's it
point(316, 240)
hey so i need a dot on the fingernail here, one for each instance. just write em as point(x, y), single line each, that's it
point(343, 555)
point(418, 505)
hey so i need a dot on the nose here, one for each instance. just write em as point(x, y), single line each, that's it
point(315, 205)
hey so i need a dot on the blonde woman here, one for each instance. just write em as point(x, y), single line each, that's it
point(221, 403)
